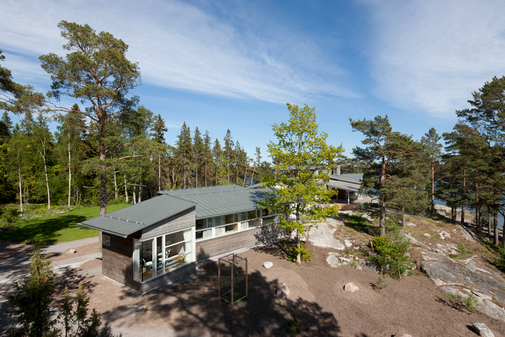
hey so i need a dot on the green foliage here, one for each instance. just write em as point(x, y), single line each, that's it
point(56, 228)
point(302, 252)
point(31, 306)
point(293, 326)
point(462, 249)
point(10, 215)
point(392, 250)
point(302, 163)
point(381, 283)
point(458, 301)
point(32, 299)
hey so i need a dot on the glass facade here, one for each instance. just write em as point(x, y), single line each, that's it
point(232, 223)
point(162, 254)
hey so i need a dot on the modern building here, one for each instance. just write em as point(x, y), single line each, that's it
point(159, 241)
point(347, 185)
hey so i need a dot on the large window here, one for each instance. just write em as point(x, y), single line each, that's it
point(162, 254)
point(231, 223)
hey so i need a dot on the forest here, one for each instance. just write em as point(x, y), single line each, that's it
point(111, 149)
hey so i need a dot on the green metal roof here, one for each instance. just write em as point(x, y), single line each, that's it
point(351, 177)
point(221, 200)
point(131, 219)
point(202, 190)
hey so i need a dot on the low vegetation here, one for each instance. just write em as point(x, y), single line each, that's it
point(50, 229)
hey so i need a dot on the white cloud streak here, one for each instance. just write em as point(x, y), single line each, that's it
point(431, 55)
point(182, 46)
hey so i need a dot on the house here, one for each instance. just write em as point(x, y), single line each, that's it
point(160, 240)
point(348, 185)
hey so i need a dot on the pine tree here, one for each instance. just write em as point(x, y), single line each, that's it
point(158, 130)
point(228, 153)
point(197, 154)
point(184, 153)
point(432, 154)
point(32, 299)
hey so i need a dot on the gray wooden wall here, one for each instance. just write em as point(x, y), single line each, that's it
point(228, 243)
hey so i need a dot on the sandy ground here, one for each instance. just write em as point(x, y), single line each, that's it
point(413, 305)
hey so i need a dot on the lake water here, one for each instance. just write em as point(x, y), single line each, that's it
point(501, 220)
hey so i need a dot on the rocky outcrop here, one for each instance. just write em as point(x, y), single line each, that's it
point(466, 276)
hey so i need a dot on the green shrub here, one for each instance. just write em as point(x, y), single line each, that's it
point(381, 284)
point(293, 326)
point(10, 215)
point(457, 301)
point(305, 255)
point(463, 250)
point(392, 250)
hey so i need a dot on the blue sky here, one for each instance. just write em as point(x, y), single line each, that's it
point(234, 64)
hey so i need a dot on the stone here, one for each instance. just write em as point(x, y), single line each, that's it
point(444, 235)
point(347, 243)
point(345, 260)
point(282, 291)
point(412, 239)
point(350, 287)
point(411, 224)
point(369, 265)
point(482, 330)
point(322, 235)
point(268, 265)
point(403, 335)
point(71, 251)
point(333, 260)
point(358, 267)
point(426, 235)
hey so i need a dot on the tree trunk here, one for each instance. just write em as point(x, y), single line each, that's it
point(159, 172)
point(103, 182)
point(489, 222)
point(432, 187)
point(69, 173)
point(495, 241)
point(115, 186)
point(464, 196)
point(245, 175)
point(43, 155)
point(205, 173)
point(403, 217)
point(503, 231)
point(125, 188)
point(20, 190)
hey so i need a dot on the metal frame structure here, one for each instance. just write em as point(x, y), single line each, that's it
point(235, 259)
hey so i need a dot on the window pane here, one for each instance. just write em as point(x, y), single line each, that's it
point(244, 216)
point(159, 255)
point(229, 218)
point(244, 225)
point(219, 231)
point(137, 271)
point(173, 238)
point(219, 220)
point(231, 228)
point(146, 259)
point(251, 214)
point(264, 212)
point(200, 224)
point(206, 234)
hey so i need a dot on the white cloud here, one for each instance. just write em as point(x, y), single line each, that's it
point(186, 47)
point(431, 55)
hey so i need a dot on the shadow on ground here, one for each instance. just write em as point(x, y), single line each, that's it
point(185, 308)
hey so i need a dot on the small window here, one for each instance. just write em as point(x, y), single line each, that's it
point(105, 240)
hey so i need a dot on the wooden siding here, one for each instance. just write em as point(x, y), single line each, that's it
point(231, 242)
point(117, 260)
point(174, 223)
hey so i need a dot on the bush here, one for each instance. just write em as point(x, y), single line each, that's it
point(293, 326)
point(392, 250)
point(10, 215)
point(305, 255)
point(457, 301)
point(31, 306)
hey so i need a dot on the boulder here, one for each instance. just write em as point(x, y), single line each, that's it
point(322, 235)
point(268, 265)
point(282, 291)
point(482, 330)
point(411, 224)
point(369, 265)
point(71, 251)
point(333, 259)
point(350, 287)
point(347, 243)
point(426, 235)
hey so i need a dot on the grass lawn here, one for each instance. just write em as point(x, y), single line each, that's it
point(57, 228)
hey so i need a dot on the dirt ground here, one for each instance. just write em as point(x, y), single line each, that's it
point(413, 305)
point(10, 249)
